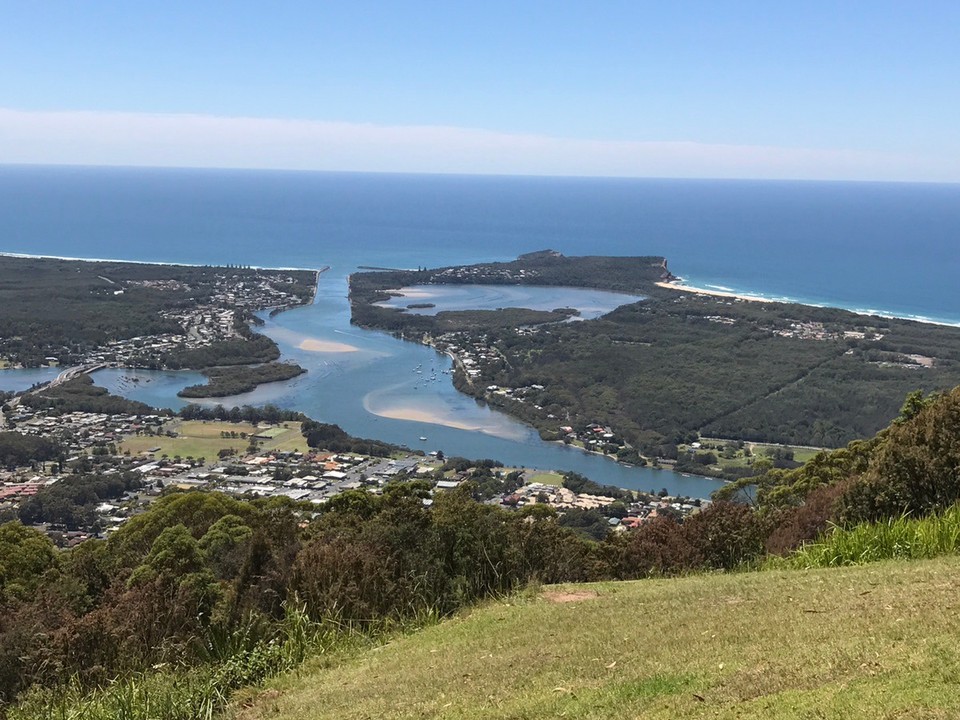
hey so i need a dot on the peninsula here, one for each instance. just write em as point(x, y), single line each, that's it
point(91, 314)
point(681, 378)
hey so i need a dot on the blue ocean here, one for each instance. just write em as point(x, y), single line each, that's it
point(880, 247)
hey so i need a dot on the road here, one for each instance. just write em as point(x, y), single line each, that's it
point(70, 374)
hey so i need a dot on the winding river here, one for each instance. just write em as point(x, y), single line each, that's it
point(374, 385)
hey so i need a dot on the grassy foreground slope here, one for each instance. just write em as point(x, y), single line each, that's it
point(876, 641)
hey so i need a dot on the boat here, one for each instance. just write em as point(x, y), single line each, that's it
point(423, 438)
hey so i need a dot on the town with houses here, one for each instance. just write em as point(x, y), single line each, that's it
point(228, 309)
point(105, 445)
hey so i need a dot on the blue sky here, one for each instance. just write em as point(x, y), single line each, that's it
point(860, 90)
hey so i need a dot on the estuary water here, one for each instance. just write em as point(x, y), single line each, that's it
point(590, 304)
point(890, 248)
point(20, 379)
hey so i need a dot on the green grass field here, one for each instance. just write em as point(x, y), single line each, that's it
point(800, 454)
point(545, 478)
point(858, 643)
point(196, 438)
point(757, 450)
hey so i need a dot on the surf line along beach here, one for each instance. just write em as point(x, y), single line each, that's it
point(716, 293)
point(747, 297)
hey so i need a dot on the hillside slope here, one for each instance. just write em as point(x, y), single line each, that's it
point(877, 641)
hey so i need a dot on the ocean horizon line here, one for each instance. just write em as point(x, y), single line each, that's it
point(494, 175)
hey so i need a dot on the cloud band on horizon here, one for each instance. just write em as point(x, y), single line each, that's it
point(184, 140)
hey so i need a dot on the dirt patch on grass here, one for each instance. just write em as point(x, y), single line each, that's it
point(557, 596)
point(255, 706)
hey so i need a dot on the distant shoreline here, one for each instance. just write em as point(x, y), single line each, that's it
point(161, 263)
point(668, 285)
point(715, 293)
point(750, 297)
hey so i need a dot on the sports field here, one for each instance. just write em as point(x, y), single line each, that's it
point(204, 439)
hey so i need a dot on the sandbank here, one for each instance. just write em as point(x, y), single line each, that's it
point(414, 294)
point(326, 346)
point(716, 293)
point(435, 418)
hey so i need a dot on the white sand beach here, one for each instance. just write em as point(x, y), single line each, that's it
point(717, 293)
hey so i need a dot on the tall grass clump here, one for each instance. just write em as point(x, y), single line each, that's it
point(242, 657)
point(192, 694)
point(903, 537)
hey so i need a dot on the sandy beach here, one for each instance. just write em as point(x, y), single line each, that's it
point(717, 293)
point(755, 298)
point(326, 346)
point(406, 413)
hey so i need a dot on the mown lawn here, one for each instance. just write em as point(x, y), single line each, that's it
point(196, 438)
point(545, 478)
point(876, 641)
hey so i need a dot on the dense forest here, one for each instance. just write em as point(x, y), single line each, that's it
point(19, 450)
point(268, 413)
point(678, 364)
point(335, 439)
point(71, 505)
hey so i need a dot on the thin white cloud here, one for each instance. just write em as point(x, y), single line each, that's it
point(178, 140)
